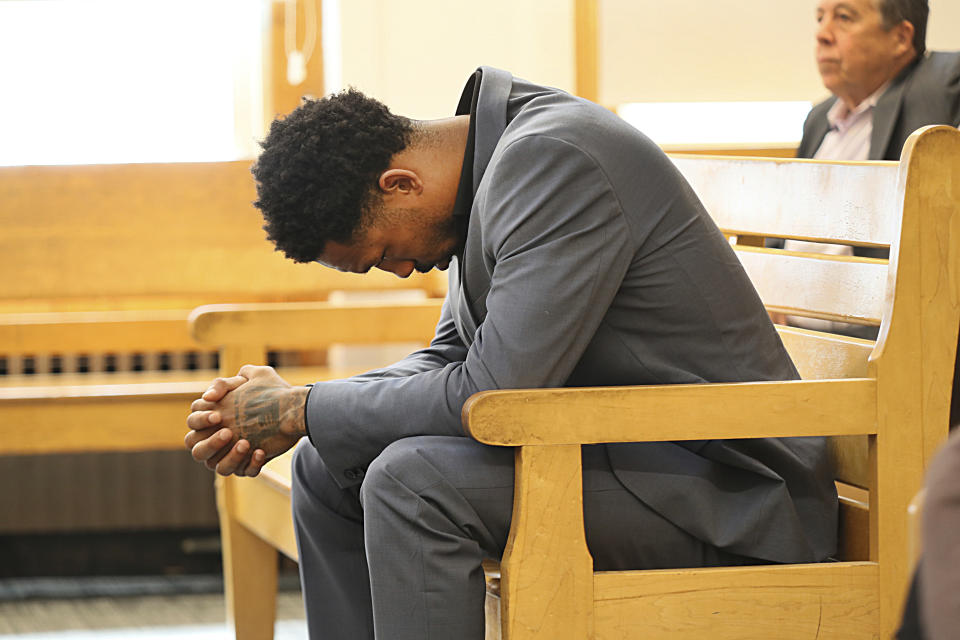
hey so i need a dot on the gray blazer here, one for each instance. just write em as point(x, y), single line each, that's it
point(588, 260)
point(926, 92)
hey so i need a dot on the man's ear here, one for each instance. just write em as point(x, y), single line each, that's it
point(400, 182)
point(903, 34)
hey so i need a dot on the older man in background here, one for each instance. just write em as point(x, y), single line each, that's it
point(872, 57)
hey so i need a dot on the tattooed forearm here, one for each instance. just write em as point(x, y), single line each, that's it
point(266, 412)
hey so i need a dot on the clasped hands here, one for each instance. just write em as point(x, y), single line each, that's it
point(240, 423)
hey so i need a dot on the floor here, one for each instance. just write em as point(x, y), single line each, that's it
point(163, 616)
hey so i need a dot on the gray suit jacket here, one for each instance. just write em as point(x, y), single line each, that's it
point(926, 92)
point(588, 260)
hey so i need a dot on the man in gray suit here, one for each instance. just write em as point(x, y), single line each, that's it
point(577, 255)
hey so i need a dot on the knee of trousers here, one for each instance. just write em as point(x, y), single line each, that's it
point(399, 469)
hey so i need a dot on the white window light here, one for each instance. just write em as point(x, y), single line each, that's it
point(718, 124)
point(115, 81)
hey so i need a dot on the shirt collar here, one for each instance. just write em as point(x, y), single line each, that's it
point(839, 116)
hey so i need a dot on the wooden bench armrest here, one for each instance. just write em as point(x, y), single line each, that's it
point(290, 325)
point(672, 412)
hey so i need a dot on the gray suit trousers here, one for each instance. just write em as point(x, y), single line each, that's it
point(399, 557)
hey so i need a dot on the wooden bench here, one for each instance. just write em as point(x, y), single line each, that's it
point(101, 266)
point(884, 407)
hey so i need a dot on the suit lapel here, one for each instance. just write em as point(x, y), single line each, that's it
point(491, 115)
point(490, 123)
point(887, 111)
point(818, 131)
point(885, 115)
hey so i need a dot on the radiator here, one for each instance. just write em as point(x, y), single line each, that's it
point(93, 492)
point(104, 492)
point(145, 490)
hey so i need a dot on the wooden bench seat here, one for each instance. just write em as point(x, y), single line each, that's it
point(884, 407)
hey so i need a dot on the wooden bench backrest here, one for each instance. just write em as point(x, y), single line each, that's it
point(147, 236)
point(857, 204)
point(102, 263)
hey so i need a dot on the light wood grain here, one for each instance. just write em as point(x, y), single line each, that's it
point(820, 356)
point(914, 357)
point(95, 332)
point(671, 412)
point(752, 150)
point(115, 420)
point(296, 325)
point(758, 603)
point(250, 583)
point(848, 289)
point(184, 231)
point(549, 517)
point(263, 506)
point(900, 391)
point(892, 395)
point(843, 202)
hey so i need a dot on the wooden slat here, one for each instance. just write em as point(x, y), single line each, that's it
point(80, 418)
point(846, 203)
point(849, 457)
point(134, 383)
point(58, 385)
point(854, 523)
point(672, 412)
point(296, 325)
point(770, 150)
point(95, 332)
point(103, 423)
point(819, 356)
point(844, 288)
point(837, 601)
point(175, 230)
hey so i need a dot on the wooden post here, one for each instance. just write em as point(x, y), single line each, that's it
point(544, 599)
point(586, 49)
point(249, 563)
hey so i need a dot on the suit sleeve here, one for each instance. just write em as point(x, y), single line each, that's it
point(558, 246)
point(445, 347)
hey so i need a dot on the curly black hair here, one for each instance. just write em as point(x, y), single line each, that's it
point(318, 171)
